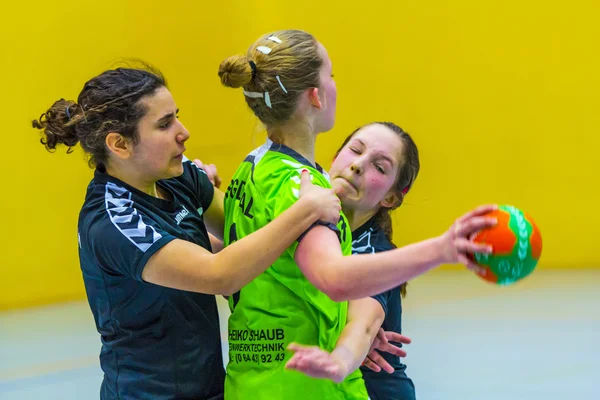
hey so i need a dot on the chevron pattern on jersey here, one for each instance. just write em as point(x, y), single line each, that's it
point(126, 218)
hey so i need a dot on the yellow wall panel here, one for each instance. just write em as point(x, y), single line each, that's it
point(501, 97)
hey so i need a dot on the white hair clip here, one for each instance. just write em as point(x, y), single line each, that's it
point(264, 49)
point(274, 39)
point(258, 95)
point(280, 84)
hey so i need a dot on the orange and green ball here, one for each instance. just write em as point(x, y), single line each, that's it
point(516, 246)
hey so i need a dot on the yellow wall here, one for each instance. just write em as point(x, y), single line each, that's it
point(501, 98)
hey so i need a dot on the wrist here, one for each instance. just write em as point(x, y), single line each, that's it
point(308, 209)
point(344, 358)
point(439, 251)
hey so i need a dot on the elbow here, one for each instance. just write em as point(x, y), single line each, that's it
point(333, 281)
point(227, 276)
point(227, 285)
point(231, 283)
point(336, 289)
point(341, 292)
point(222, 281)
point(227, 292)
point(337, 294)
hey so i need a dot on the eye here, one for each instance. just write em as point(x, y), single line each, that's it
point(166, 124)
point(379, 168)
point(354, 150)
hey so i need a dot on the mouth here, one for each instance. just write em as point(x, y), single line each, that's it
point(349, 183)
point(180, 155)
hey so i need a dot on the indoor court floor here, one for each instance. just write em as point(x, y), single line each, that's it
point(536, 340)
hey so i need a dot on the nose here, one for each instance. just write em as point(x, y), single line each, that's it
point(183, 134)
point(356, 168)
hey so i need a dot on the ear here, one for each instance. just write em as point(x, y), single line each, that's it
point(391, 200)
point(118, 145)
point(313, 98)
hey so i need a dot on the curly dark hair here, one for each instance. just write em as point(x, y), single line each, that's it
point(109, 102)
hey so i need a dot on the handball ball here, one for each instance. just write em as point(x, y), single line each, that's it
point(516, 246)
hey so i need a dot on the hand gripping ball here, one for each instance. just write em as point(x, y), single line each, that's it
point(516, 246)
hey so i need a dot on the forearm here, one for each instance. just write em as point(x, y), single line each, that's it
point(365, 317)
point(365, 275)
point(184, 265)
point(245, 259)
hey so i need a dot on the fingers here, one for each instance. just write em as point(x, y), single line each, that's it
point(299, 347)
point(392, 349)
point(303, 359)
point(471, 265)
point(392, 336)
point(472, 225)
point(380, 340)
point(292, 363)
point(294, 346)
point(318, 364)
point(306, 364)
point(371, 365)
point(377, 359)
point(217, 181)
point(304, 178)
point(211, 172)
point(210, 169)
point(481, 210)
point(198, 163)
point(381, 335)
point(467, 246)
point(333, 219)
point(338, 190)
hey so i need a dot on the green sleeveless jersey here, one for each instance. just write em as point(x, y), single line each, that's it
point(280, 306)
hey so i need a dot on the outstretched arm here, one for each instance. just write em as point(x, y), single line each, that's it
point(347, 278)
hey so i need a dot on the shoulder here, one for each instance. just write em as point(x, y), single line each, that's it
point(192, 174)
point(101, 197)
point(275, 166)
point(111, 215)
point(288, 171)
point(274, 176)
point(190, 169)
point(193, 184)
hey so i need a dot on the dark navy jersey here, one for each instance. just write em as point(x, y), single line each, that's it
point(157, 342)
point(368, 239)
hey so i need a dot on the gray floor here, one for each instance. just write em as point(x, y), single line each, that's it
point(471, 340)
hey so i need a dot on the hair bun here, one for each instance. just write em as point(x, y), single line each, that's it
point(235, 71)
point(55, 123)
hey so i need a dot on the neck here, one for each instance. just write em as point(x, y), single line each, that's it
point(298, 136)
point(135, 180)
point(357, 218)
